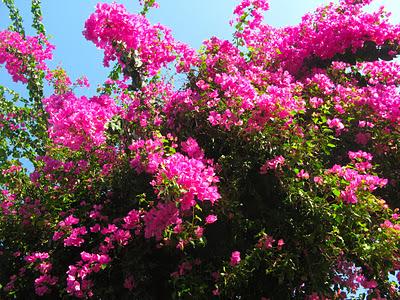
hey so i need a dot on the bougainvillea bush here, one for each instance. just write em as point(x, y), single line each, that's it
point(272, 172)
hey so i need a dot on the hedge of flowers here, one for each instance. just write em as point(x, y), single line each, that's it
point(272, 172)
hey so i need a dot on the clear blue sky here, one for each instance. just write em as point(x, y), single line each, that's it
point(191, 21)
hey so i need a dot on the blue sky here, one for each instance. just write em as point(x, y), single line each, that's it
point(191, 23)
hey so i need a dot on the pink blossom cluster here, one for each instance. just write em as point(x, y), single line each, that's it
point(302, 174)
point(12, 169)
point(11, 120)
point(235, 258)
point(254, 8)
point(131, 220)
point(36, 256)
point(82, 81)
point(143, 106)
point(183, 269)
point(332, 29)
point(356, 177)
point(79, 283)
point(73, 235)
point(267, 242)
point(230, 95)
point(360, 155)
point(60, 80)
point(39, 261)
point(192, 149)
point(54, 172)
point(158, 218)
point(351, 276)
point(336, 124)
point(382, 99)
point(381, 72)
point(180, 182)
point(17, 52)
point(77, 122)
point(111, 235)
point(116, 31)
point(43, 284)
point(272, 164)
point(178, 103)
point(193, 177)
point(7, 202)
point(211, 219)
point(389, 224)
point(154, 151)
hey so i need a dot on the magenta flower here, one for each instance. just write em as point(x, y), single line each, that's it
point(303, 174)
point(272, 164)
point(211, 219)
point(235, 258)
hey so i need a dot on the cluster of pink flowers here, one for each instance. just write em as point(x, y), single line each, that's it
point(267, 242)
point(186, 180)
point(158, 218)
point(12, 169)
point(254, 8)
point(154, 150)
point(82, 288)
point(39, 261)
point(78, 121)
point(78, 282)
point(356, 177)
point(381, 72)
point(11, 120)
point(142, 107)
point(381, 94)
point(17, 52)
point(211, 219)
point(235, 258)
point(7, 202)
point(118, 33)
point(193, 177)
point(351, 276)
point(361, 160)
point(74, 235)
point(384, 100)
point(303, 174)
point(227, 94)
point(389, 224)
point(335, 123)
point(230, 93)
point(193, 174)
point(36, 256)
point(272, 164)
point(332, 29)
point(113, 234)
point(192, 149)
point(60, 80)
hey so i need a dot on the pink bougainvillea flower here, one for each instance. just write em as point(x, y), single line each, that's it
point(235, 258)
point(211, 219)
